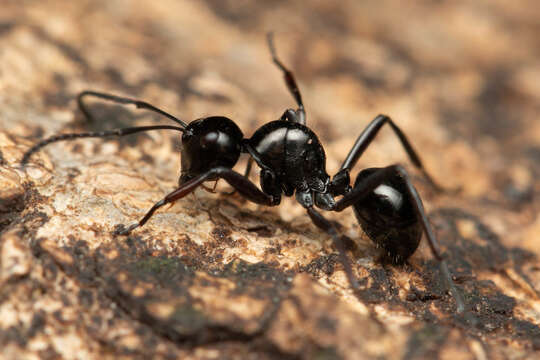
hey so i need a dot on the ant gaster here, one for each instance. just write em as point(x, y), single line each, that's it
point(292, 161)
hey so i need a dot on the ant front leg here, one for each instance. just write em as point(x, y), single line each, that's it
point(365, 139)
point(245, 187)
point(247, 172)
point(299, 115)
point(365, 187)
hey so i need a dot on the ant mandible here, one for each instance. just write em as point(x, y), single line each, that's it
point(293, 162)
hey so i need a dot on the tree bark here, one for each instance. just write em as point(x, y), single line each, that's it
point(214, 277)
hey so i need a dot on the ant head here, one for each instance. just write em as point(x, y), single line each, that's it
point(208, 143)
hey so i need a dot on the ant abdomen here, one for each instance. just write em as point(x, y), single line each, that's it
point(388, 217)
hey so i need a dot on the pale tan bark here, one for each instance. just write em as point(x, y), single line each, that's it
point(214, 277)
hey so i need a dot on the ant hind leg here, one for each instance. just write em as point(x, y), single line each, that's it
point(300, 113)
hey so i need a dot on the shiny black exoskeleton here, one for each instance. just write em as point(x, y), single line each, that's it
point(208, 143)
point(387, 216)
point(296, 162)
point(292, 161)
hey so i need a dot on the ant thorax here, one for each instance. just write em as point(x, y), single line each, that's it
point(294, 152)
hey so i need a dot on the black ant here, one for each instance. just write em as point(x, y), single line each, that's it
point(293, 162)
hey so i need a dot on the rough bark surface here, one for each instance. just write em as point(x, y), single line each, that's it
point(213, 277)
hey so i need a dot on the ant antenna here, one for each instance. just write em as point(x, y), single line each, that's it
point(117, 132)
point(121, 100)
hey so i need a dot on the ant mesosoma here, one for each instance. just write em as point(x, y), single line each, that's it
point(293, 162)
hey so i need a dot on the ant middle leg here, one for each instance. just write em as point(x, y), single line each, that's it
point(298, 115)
point(365, 139)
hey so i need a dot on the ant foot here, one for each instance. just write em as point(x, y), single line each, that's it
point(120, 229)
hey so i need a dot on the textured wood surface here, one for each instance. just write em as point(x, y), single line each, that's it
point(213, 277)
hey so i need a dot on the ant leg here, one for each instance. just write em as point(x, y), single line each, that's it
point(255, 156)
point(367, 136)
point(245, 187)
point(322, 223)
point(367, 185)
point(247, 172)
point(121, 100)
point(246, 175)
point(289, 80)
point(117, 132)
